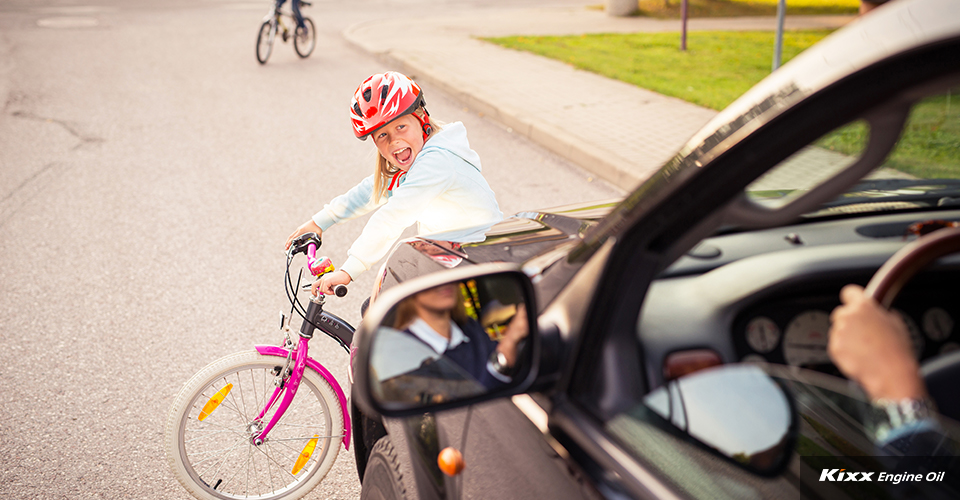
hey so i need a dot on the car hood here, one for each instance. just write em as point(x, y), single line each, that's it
point(522, 238)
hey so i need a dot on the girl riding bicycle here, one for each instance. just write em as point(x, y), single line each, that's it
point(424, 173)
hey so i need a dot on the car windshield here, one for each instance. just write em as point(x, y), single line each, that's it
point(921, 171)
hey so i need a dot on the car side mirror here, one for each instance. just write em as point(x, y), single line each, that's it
point(737, 410)
point(447, 340)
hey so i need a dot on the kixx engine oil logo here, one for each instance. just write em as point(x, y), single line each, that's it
point(837, 475)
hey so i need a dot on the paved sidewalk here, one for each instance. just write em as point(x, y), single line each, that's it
point(618, 131)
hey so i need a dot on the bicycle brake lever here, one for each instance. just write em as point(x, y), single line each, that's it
point(300, 243)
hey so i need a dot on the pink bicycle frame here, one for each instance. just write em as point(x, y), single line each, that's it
point(301, 361)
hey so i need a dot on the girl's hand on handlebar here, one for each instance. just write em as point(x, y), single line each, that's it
point(306, 227)
point(326, 282)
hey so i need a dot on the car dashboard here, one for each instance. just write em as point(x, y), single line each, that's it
point(767, 295)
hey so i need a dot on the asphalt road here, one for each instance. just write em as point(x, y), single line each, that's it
point(150, 171)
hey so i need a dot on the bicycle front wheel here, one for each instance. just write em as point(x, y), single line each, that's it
point(268, 31)
point(305, 39)
point(209, 431)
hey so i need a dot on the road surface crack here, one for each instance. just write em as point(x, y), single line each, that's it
point(69, 127)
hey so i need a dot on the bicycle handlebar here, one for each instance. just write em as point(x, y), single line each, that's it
point(308, 243)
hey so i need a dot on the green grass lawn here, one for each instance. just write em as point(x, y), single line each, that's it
point(732, 8)
point(720, 66)
point(930, 144)
point(716, 68)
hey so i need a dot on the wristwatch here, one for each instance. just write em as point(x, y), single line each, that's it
point(498, 361)
point(893, 414)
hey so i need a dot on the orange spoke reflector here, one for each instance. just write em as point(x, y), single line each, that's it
point(214, 402)
point(305, 454)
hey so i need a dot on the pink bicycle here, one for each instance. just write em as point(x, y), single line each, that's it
point(266, 423)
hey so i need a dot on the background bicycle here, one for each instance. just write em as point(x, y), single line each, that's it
point(276, 22)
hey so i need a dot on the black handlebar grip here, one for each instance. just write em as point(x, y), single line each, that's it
point(340, 290)
point(300, 243)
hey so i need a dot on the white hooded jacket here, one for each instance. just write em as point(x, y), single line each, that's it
point(442, 191)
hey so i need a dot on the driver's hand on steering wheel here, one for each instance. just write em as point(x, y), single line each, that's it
point(871, 346)
point(326, 282)
point(306, 227)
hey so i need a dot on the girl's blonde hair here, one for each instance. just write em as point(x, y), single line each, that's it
point(384, 170)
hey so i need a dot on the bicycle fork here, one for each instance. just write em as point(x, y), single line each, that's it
point(287, 385)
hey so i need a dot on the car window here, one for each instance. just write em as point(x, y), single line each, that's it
point(690, 468)
point(836, 430)
point(810, 166)
point(928, 148)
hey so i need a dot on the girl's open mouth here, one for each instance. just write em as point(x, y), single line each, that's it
point(403, 156)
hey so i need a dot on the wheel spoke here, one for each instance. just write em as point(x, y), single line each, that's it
point(306, 438)
point(221, 463)
point(208, 433)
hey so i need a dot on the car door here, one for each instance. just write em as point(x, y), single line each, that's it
point(600, 417)
point(508, 456)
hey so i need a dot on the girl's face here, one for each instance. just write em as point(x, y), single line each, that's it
point(400, 141)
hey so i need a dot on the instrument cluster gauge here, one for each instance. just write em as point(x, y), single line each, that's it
point(937, 324)
point(763, 334)
point(805, 339)
point(916, 338)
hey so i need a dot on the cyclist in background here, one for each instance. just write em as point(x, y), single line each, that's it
point(424, 174)
point(295, 4)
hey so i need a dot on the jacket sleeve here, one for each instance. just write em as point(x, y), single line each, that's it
point(350, 205)
point(425, 181)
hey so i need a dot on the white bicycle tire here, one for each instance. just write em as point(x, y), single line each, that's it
point(184, 433)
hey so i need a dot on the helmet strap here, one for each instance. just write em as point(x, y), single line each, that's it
point(423, 116)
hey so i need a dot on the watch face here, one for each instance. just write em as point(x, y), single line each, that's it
point(499, 362)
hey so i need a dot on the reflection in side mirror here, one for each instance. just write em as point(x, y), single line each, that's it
point(737, 410)
point(451, 342)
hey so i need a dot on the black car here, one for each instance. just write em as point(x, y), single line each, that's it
point(674, 342)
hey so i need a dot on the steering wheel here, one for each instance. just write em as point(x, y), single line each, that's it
point(942, 373)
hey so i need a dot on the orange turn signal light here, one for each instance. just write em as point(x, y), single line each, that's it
point(450, 461)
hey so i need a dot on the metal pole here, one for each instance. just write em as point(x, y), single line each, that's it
point(778, 49)
point(683, 29)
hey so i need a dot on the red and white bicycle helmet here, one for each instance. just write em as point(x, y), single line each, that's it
point(384, 97)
